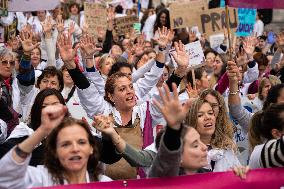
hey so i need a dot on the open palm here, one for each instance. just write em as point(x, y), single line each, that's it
point(66, 51)
point(181, 57)
point(173, 111)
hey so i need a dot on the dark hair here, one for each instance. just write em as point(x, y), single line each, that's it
point(263, 37)
point(110, 85)
point(158, 23)
point(119, 9)
point(51, 71)
point(35, 114)
point(254, 135)
point(51, 160)
point(209, 50)
point(272, 119)
point(117, 66)
point(273, 95)
point(261, 59)
point(198, 75)
point(74, 4)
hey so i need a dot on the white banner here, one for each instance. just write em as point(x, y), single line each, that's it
point(32, 5)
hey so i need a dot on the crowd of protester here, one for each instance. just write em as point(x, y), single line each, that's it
point(75, 109)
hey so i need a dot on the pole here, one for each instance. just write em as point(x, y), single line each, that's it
point(229, 30)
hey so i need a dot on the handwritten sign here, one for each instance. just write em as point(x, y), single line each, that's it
point(213, 21)
point(123, 25)
point(246, 21)
point(196, 55)
point(95, 17)
point(183, 14)
point(195, 52)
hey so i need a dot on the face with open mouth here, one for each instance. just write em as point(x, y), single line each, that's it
point(73, 148)
point(124, 95)
point(206, 120)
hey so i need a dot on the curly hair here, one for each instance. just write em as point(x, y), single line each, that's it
point(110, 85)
point(51, 160)
point(223, 134)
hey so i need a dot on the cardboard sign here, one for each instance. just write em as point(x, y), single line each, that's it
point(195, 52)
point(95, 17)
point(184, 14)
point(246, 21)
point(123, 25)
point(32, 5)
point(213, 21)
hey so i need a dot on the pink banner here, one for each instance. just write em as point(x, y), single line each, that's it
point(259, 4)
point(259, 178)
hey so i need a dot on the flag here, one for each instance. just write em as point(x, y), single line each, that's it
point(258, 4)
point(32, 5)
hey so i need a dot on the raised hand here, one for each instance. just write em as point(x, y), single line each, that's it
point(171, 108)
point(71, 28)
point(192, 92)
point(51, 117)
point(249, 45)
point(26, 38)
point(181, 57)
point(85, 28)
point(67, 53)
point(88, 46)
point(104, 124)
point(110, 17)
point(233, 71)
point(59, 24)
point(164, 35)
point(47, 26)
point(139, 47)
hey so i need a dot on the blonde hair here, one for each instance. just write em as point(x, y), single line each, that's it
point(223, 134)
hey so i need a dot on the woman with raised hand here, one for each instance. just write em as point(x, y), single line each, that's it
point(71, 154)
point(119, 101)
point(182, 150)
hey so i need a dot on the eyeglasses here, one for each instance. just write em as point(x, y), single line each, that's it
point(5, 62)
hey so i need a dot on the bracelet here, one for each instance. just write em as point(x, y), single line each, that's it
point(21, 153)
point(234, 93)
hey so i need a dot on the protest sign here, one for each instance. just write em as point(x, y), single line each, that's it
point(195, 52)
point(184, 14)
point(257, 178)
point(261, 4)
point(95, 17)
point(246, 21)
point(216, 40)
point(32, 5)
point(123, 25)
point(213, 21)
